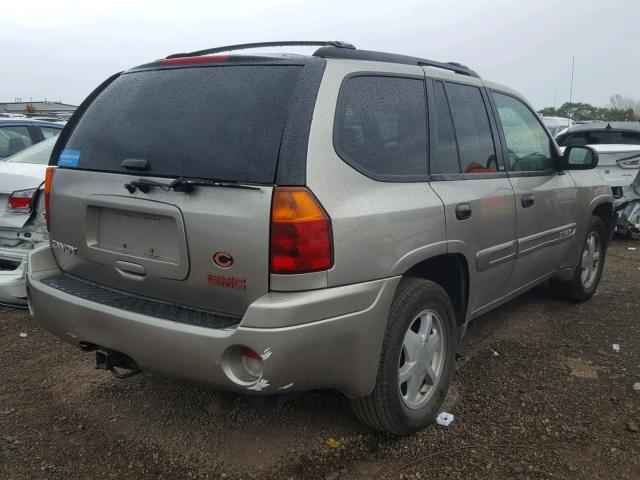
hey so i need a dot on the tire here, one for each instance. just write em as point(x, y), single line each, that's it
point(391, 406)
point(582, 286)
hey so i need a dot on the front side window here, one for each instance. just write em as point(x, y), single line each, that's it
point(528, 145)
point(473, 130)
point(13, 139)
point(381, 127)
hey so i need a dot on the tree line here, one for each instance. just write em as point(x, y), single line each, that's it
point(621, 108)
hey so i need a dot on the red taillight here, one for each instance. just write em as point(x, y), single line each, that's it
point(300, 232)
point(21, 201)
point(48, 183)
point(190, 60)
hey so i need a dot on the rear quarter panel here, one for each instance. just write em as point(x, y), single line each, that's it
point(380, 229)
point(592, 191)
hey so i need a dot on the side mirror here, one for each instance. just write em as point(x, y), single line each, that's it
point(579, 158)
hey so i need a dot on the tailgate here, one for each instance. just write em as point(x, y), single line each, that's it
point(208, 248)
point(162, 244)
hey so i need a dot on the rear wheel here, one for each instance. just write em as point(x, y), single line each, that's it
point(586, 276)
point(416, 362)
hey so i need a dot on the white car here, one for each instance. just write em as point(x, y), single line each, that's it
point(618, 147)
point(620, 166)
point(22, 222)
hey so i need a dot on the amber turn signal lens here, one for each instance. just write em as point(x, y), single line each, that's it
point(300, 232)
point(48, 184)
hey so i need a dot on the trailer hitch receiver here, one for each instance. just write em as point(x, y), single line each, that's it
point(111, 361)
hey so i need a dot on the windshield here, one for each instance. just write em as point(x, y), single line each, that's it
point(39, 153)
point(222, 123)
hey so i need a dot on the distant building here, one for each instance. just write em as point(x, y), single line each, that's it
point(38, 108)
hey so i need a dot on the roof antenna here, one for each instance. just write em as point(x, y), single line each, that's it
point(573, 67)
point(608, 127)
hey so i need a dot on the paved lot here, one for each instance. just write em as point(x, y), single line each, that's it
point(538, 393)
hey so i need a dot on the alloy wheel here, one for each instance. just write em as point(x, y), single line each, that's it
point(590, 262)
point(421, 359)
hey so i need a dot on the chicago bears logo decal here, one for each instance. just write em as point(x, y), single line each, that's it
point(223, 259)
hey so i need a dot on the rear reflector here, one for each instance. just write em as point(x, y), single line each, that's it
point(191, 60)
point(300, 232)
point(48, 183)
point(252, 362)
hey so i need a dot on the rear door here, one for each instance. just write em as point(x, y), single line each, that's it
point(467, 173)
point(207, 248)
point(546, 200)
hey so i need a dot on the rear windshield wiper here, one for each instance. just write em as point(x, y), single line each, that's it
point(183, 184)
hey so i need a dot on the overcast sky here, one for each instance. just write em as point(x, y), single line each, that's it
point(62, 49)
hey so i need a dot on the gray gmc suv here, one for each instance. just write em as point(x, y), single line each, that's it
point(275, 223)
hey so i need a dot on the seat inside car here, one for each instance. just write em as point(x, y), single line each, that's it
point(15, 145)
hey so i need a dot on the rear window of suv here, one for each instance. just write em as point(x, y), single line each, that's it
point(222, 123)
point(601, 137)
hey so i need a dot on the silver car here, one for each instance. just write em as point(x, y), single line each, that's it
point(275, 223)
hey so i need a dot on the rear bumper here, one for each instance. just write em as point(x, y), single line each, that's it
point(13, 285)
point(329, 338)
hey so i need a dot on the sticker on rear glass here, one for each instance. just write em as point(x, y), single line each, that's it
point(69, 158)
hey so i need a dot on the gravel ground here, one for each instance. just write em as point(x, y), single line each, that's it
point(538, 393)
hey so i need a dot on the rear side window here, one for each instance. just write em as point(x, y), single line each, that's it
point(473, 130)
point(444, 157)
point(381, 127)
point(48, 132)
point(13, 139)
point(38, 153)
point(221, 123)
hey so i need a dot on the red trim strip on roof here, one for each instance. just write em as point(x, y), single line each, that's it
point(190, 60)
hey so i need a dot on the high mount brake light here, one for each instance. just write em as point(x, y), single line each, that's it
point(192, 60)
point(21, 201)
point(300, 232)
point(48, 183)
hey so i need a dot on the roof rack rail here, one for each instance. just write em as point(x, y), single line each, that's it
point(329, 51)
point(244, 46)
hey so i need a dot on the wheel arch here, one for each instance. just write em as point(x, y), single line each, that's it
point(451, 272)
point(606, 213)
